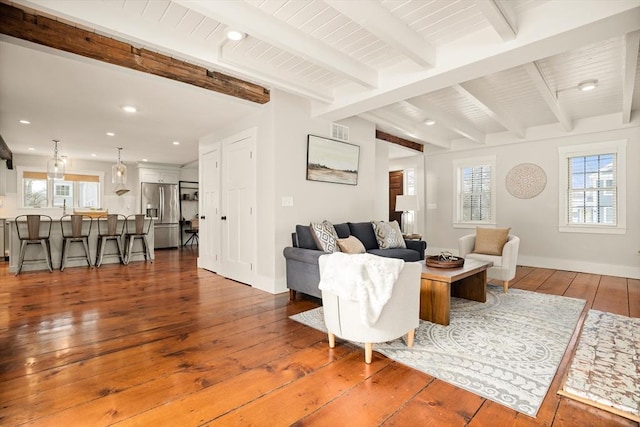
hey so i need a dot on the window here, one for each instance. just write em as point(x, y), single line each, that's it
point(75, 191)
point(474, 192)
point(592, 187)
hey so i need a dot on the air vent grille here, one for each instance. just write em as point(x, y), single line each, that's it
point(339, 132)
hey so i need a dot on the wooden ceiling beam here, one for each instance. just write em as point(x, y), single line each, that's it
point(38, 29)
point(399, 141)
point(5, 153)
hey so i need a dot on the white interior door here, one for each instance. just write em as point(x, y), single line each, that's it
point(238, 191)
point(209, 234)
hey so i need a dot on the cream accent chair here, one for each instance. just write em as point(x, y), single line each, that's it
point(399, 316)
point(504, 267)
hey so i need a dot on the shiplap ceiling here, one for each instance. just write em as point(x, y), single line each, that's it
point(482, 69)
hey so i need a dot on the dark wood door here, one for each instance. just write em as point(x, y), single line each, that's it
point(396, 188)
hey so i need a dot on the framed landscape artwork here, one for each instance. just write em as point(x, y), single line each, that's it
point(332, 161)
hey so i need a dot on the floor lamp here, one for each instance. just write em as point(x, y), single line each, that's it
point(407, 204)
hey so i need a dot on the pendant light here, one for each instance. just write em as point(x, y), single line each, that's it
point(55, 165)
point(119, 176)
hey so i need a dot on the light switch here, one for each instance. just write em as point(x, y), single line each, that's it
point(287, 201)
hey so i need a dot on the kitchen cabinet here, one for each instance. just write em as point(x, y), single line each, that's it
point(165, 176)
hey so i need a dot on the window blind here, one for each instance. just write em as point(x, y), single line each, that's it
point(67, 176)
point(475, 193)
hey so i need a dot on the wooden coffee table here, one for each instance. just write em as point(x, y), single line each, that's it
point(438, 285)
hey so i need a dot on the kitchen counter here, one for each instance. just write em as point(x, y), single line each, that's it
point(34, 251)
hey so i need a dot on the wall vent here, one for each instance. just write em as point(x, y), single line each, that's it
point(339, 132)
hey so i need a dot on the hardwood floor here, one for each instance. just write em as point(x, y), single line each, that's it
point(168, 344)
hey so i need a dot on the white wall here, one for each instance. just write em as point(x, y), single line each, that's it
point(535, 220)
point(283, 126)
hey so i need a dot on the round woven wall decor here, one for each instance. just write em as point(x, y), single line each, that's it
point(526, 181)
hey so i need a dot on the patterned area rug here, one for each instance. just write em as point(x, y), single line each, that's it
point(605, 370)
point(506, 350)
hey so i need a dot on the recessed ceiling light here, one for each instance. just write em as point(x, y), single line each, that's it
point(234, 35)
point(145, 160)
point(111, 134)
point(31, 149)
point(129, 108)
point(93, 154)
point(176, 142)
point(587, 85)
point(429, 122)
point(25, 122)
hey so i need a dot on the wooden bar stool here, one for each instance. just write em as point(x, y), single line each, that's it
point(109, 230)
point(71, 227)
point(30, 233)
point(137, 230)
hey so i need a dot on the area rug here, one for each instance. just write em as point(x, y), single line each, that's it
point(506, 350)
point(605, 370)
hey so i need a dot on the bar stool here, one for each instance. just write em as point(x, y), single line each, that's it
point(137, 230)
point(193, 230)
point(109, 230)
point(71, 227)
point(29, 233)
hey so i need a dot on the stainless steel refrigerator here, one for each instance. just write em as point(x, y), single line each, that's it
point(160, 202)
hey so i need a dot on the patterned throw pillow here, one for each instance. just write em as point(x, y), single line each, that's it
point(351, 245)
point(388, 234)
point(325, 236)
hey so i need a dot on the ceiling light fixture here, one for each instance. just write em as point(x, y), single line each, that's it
point(25, 122)
point(111, 134)
point(429, 122)
point(587, 85)
point(119, 176)
point(93, 154)
point(234, 35)
point(176, 142)
point(55, 165)
point(31, 149)
point(129, 108)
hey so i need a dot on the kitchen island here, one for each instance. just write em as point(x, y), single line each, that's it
point(34, 251)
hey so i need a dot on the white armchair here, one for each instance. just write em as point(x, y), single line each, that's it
point(504, 266)
point(399, 316)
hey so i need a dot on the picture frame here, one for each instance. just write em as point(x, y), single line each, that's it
point(332, 161)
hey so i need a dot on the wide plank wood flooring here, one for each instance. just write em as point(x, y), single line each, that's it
point(163, 343)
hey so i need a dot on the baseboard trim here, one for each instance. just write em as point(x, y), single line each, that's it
point(626, 271)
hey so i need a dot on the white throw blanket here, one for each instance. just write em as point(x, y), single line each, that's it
point(365, 278)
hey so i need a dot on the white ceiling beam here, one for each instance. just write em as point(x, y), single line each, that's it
point(490, 106)
point(549, 97)
point(451, 122)
point(631, 45)
point(407, 128)
point(256, 23)
point(499, 17)
point(387, 27)
point(549, 29)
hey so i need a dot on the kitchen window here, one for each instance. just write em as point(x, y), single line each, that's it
point(77, 190)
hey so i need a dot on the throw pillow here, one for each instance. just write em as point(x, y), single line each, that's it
point(490, 241)
point(325, 236)
point(388, 234)
point(351, 245)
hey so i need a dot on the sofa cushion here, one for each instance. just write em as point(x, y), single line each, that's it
point(304, 238)
point(490, 241)
point(342, 230)
point(364, 232)
point(325, 236)
point(408, 255)
point(351, 245)
point(388, 234)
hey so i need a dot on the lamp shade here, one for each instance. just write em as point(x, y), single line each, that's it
point(55, 165)
point(406, 203)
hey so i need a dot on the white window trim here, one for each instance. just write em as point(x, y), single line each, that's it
point(457, 166)
point(618, 147)
point(21, 169)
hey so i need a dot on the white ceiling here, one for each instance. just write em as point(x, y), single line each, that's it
point(483, 69)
